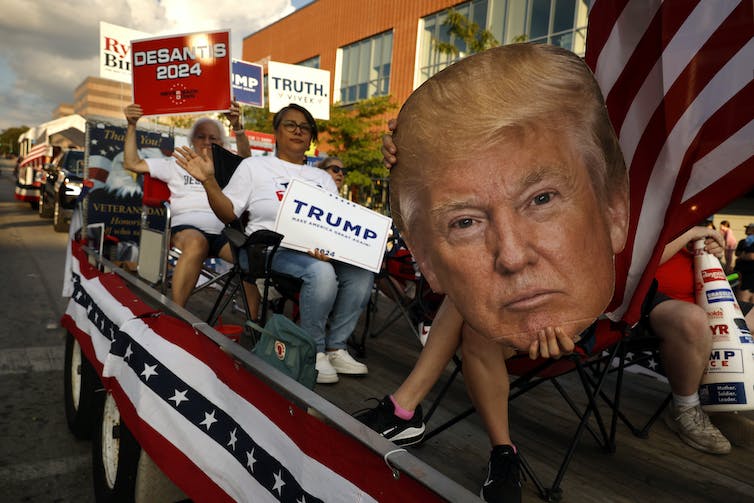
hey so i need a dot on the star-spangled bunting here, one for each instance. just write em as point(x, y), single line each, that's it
point(208, 418)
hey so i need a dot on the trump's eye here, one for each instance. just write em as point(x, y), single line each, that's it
point(542, 198)
point(463, 223)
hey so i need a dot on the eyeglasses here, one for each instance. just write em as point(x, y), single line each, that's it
point(291, 126)
point(335, 169)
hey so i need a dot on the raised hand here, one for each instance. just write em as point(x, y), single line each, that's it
point(196, 164)
point(133, 113)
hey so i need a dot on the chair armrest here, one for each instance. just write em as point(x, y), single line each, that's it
point(235, 237)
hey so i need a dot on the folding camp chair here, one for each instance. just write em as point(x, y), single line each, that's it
point(252, 255)
point(155, 251)
point(593, 360)
point(400, 281)
point(154, 240)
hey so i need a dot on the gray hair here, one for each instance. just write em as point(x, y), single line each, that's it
point(205, 120)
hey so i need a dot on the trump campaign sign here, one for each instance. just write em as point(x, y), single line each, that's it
point(312, 218)
point(115, 51)
point(247, 83)
point(308, 87)
point(182, 74)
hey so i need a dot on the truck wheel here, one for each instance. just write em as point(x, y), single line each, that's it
point(34, 205)
point(45, 209)
point(58, 220)
point(115, 456)
point(81, 389)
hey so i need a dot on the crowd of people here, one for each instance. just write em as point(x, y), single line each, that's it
point(533, 150)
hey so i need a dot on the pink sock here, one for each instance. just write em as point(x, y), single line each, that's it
point(400, 411)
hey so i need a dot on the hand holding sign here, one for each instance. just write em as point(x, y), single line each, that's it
point(310, 217)
point(182, 74)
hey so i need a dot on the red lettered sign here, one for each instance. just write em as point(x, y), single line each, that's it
point(182, 74)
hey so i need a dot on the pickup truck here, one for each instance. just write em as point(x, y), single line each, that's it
point(61, 187)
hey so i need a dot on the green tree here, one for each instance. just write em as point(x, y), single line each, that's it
point(355, 133)
point(257, 119)
point(475, 38)
point(9, 139)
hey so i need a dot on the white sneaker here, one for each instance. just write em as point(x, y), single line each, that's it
point(326, 374)
point(424, 329)
point(343, 363)
point(692, 424)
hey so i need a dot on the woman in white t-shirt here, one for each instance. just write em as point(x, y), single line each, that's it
point(195, 229)
point(332, 291)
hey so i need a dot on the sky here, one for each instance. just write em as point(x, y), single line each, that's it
point(48, 47)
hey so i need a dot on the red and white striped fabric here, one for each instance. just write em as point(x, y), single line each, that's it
point(214, 428)
point(37, 154)
point(678, 82)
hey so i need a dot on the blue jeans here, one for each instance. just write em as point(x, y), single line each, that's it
point(328, 287)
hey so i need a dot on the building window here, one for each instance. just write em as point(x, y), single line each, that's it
point(311, 62)
point(432, 31)
point(558, 22)
point(365, 68)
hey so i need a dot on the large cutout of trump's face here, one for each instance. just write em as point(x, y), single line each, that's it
point(521, 229)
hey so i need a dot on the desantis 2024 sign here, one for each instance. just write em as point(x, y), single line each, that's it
point(182, 74)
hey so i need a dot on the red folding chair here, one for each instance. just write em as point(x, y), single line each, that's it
point(400, 281)
point(154, 241)
point(601, 351)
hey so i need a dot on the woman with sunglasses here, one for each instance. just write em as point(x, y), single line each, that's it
point(332, 291)
point(334, 168)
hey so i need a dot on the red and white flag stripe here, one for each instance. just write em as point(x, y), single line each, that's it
point(677, 76)
point(36, 153)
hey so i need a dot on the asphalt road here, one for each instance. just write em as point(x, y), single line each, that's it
point(40, 460)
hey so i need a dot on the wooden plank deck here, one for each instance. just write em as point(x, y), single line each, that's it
point(659, 468)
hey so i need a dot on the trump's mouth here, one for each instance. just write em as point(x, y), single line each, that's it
point(530, 299)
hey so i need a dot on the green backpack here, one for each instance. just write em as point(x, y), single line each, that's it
point(286, 346)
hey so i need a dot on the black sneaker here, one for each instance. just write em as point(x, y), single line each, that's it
point(503, 476)
point(383, 420)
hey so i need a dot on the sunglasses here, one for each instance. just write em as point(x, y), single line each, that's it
point(335, 169)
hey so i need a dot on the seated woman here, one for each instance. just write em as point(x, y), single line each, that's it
point(331, 290)
point(196, 231)
point(334, 168)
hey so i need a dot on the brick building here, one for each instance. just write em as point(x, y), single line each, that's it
point(381, 47)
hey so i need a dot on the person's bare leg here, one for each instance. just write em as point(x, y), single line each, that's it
point(441, 345)
point(685, 344)
point(194, 249)
point(486, 378)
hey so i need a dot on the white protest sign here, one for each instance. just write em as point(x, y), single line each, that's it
point(115, 51)
point(302, 85)
point(310, 217)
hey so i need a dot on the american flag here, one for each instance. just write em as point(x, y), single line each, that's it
point(677, 76)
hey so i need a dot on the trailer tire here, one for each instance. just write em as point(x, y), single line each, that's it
point(81, 389)
point(45, 209)
point(115, 456)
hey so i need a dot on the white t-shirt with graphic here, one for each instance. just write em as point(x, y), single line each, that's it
point(188, 199)
point(259, 184)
